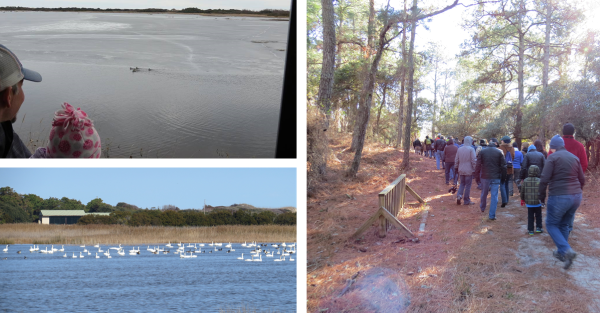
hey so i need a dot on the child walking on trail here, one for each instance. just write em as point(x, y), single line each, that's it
point(530, 197)
point(72, 136)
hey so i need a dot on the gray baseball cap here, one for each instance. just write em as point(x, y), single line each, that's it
point(12, 71)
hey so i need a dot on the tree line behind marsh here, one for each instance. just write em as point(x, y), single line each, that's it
point(17, 208)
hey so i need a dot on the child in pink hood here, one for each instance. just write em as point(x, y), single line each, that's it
point(72, 136)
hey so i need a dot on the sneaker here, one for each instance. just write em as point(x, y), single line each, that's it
point(539, 230)
point(569, 257)
point(559, 256)
point(503, 205)
point(470, 203)
point(458, 201)
point(531, 233)
point(492, 218)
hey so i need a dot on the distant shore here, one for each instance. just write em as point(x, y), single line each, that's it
point(270, 17)
point(127, 235)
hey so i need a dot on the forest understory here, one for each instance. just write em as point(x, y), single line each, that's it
point(463, 262)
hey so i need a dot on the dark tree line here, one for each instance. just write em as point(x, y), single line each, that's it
point(267, 12)
point(190, 218)
point(17, 208)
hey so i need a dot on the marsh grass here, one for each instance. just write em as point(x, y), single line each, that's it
point(115, 234)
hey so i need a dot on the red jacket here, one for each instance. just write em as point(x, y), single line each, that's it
point(577, 149)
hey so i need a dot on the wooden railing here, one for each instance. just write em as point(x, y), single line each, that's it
point(391, 202)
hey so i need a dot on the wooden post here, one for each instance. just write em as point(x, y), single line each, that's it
point(382, 226)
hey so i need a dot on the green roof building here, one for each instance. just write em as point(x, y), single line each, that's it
point(63, 216)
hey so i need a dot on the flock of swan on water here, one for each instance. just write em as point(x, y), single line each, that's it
point(278, 252)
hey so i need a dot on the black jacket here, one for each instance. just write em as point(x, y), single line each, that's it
point(416, 143)
point(11, 145)
point(491, 164)
point(532, 158)
point(562, 175)
point(439, 144)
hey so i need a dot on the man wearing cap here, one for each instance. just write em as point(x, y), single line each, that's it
point(12, 96)
point(491, 165)
point(564, 178)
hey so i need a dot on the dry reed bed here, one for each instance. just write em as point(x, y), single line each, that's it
point(115, 234)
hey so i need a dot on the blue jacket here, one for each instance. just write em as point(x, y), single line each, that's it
point(518, 159)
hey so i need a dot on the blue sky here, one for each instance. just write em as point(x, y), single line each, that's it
point(162, 4)
point(148, 187)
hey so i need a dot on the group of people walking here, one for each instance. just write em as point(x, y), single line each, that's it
point(497, 166)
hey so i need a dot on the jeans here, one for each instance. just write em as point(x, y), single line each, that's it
point(516, 179)
point(504, 188)
point(438, 158)
point(485, 185)
point(561, 211)
point(465, 186)
point(449, 169)
point(531, 213)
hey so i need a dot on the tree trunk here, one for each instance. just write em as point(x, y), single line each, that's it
point(326, 83)
point(357, 126)
point(411, 74)
point(520, 73)
point(402, 79)
point(365, 108)
point(376, 133)
point(546, 61)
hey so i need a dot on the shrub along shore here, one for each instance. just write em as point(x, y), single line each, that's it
point(30, 233)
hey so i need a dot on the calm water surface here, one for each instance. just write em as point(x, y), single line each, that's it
point(214, 88)
point(143, 283)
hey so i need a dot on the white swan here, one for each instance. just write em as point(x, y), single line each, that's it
point(244, 244)
point(228, 246)
point(291, 259)
point(62, 249)
point(80, 256)
point(97, 245)
point(97, 257)
point(241, 258)
point(82, 246)
point(169, 245)
point(5, 249)
point(64, 256)
point(74, 256)
point(259, 259)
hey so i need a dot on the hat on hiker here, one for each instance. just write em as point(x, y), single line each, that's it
point(531, 148)
point(482, 142)
point(515, 145)
point(73, 135)
point(556, 142)
point(506, 139)
point(12, 71)
point(495, 141)
point(568, 129)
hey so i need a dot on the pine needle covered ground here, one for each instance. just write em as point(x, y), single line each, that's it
point(462, 263)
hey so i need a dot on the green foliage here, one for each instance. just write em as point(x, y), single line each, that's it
point(16, 208)
point(287, 218)
point(97, 205)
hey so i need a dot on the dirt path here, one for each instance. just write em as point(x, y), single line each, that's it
point(462, 263)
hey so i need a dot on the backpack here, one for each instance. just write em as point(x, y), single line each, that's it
point(427, 141)
point(508, 159)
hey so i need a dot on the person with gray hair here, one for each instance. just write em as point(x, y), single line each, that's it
point(12, 97)
point(564, 178)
